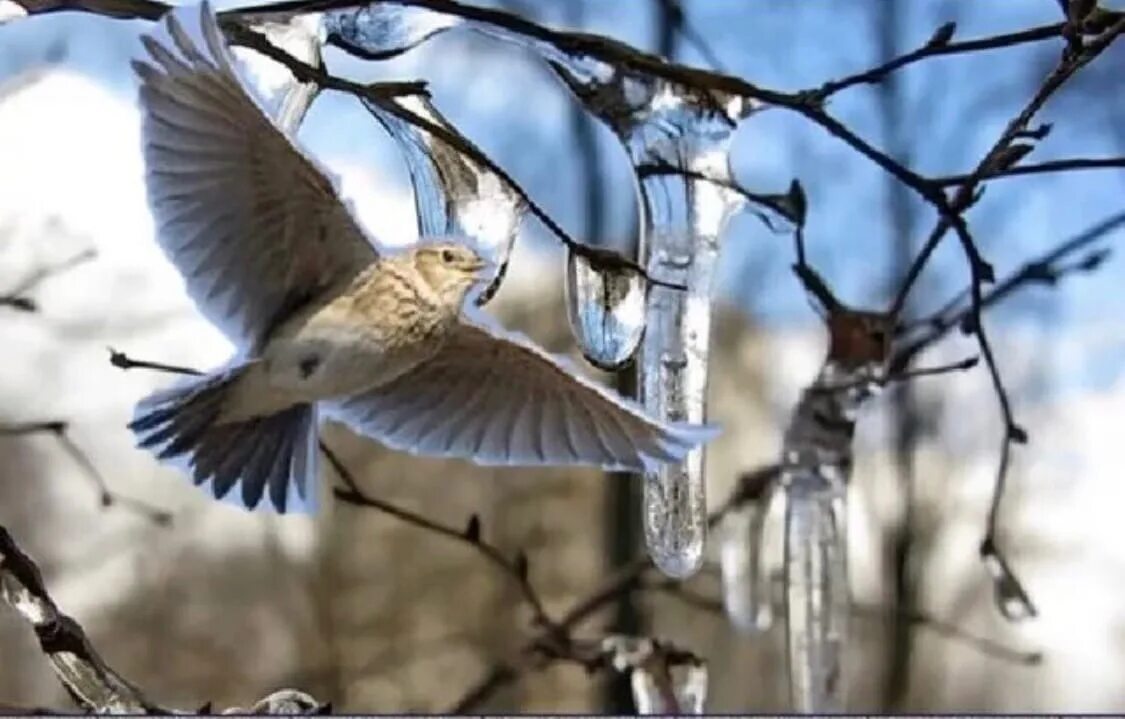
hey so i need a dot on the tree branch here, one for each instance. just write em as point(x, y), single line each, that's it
point(1078, 163)
point(106, 495)
point(92, 684)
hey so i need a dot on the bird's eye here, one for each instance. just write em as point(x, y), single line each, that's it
point(447, 256)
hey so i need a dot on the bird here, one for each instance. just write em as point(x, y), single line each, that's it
point(329, 324)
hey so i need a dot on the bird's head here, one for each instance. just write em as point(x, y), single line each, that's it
point(450, 269)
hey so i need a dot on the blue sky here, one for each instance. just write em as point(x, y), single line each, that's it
point(953, 109)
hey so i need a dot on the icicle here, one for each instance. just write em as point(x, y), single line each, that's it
point(666, 126)
point(745, 565)
point(663, 681)
point(816, 598)
point(816, 467)
point(1011, 599)
point(286, 99)
point(606, 308)
point(382, 31)
point(682, 222)
point(453, 194)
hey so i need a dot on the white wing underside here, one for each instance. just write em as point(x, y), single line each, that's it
point(491, 396)
point(253, 224)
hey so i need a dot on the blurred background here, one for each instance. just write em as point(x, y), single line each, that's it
point(220, 605)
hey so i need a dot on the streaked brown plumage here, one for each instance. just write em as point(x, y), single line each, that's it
point(326, 320)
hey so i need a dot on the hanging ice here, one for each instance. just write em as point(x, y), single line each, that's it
point(381, 31)
point(816, 467)
point(286, 100)
point(663, 682)
point(606, 308)
point(744, 561)
point(681, 245)
point(1010, 597)
point(453, 194)
point(816, 597)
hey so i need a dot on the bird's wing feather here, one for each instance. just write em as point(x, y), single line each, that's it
point(495, 398)
point(253, 224)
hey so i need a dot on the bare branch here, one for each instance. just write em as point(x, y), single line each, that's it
point(1048, 269)
point(515, 567)
point(1078, 163)
point(937, 45)
point(106, 496)
point(17, 299)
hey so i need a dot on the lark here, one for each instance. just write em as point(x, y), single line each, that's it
point(329, 324)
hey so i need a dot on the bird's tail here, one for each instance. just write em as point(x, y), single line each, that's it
point(274, 454)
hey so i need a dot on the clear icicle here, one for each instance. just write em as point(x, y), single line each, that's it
point(381, 31)
point(453, 194)
point(664, 125)
point(683, 219)
point(285, 99)
point(816, 598)
point(816, 467)
point(661, 684)
point(745, 567)
point(1011, 599)
point(606, 308)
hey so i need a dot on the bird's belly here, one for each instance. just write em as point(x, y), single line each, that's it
point(327, 361)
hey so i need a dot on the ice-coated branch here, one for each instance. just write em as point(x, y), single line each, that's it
point(87, 678)
point(664, 679)
point(250, 27)
point(92, 684)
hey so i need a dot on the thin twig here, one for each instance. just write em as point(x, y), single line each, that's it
point(1046, 269)
point(516, 567)
point(966, 191)
point(937, 45)
point(944, 629)
point(1078, 163)
point(17, 299)
point(125, 362)
point(107, 496)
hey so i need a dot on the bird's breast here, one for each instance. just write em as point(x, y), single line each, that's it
point(339, 351)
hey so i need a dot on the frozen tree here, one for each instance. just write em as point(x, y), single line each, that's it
point(647, 315)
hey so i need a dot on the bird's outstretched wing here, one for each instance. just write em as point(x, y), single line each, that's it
point(493, 397)
point(254, 226)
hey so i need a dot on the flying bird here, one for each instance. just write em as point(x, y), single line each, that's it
point(326, 321)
